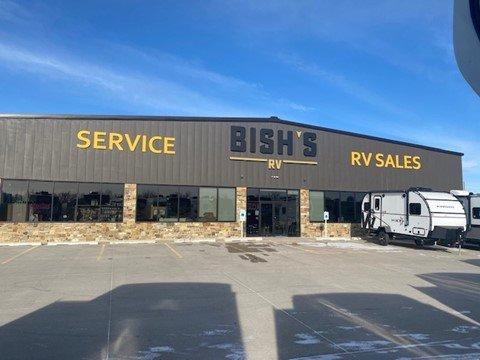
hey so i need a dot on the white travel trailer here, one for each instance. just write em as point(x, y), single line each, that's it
point(421, 215)
point(471, 204)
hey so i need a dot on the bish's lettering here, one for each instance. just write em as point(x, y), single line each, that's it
point(269, 142)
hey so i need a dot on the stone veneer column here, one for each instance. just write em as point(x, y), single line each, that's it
point(304, 213)
point(241, 205)
point(130, 203)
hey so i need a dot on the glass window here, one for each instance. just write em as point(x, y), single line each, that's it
point(64, 201)
point(111, 203)
point(147, 203)
point(185, 203)
point(40, 201)
point(273, 195)
point(317, 205)
point(347, 207)
point(226, 204)
point(88, 202)
point(207, 210)
point(332, 205)
point(377, 203)
point(14, 200)
point(167, 203)
point(188, 203)
point(476, 212)
point(293, 228)
point(366, 206)
point(253, 211)
point(415, 209)
point(253, 195)
point(358, 206)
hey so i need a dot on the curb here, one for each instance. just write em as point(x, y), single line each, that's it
point(186, 241)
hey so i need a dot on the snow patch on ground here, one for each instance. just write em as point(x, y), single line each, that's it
point(236, 351)
point(456, 346)
point(415, 336)
point(319, 357)
point(306, 339)
point(350, 246)
point(216, 332)
point(154, 352)
point(364, 345)
point(349, 327)
point(464, 329)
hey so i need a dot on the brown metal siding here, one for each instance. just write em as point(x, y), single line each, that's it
point(44, 148)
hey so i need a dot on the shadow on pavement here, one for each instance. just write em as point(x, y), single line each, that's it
point(459, 291)
point(371, 326)
point(407, 243)
point(474, 262)
point(147, 321)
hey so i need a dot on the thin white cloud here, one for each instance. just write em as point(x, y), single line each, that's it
point(349, 87)
point(192, 71)
point(158, 94)
point(12, 12)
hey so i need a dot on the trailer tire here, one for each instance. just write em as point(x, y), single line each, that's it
point(383, 237)
point(419, 242)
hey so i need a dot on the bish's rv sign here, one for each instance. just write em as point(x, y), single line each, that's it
point(266, 141)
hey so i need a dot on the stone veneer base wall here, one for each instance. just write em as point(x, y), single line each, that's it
point(130, 230)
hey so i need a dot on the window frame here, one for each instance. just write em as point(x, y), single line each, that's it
point(75, 221)
point(259, 201)
point(310, 205)
point(198, 220)
point(410, 213)
point(26, 221)
point(339, 192)
point(476, 213)
point(76, 202)
point(234, 204)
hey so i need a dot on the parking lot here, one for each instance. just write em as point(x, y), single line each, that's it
point(278, 299)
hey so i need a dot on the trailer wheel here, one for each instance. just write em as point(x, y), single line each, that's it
point(419, 242)
point(383, 238)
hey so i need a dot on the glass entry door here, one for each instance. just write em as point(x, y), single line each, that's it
point(272, 212)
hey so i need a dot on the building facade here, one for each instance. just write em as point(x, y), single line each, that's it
point(94, 178)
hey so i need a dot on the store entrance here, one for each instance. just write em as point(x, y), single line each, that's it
point(273, 212)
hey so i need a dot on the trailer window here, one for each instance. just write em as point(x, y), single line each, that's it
point(415, 209)
point(377, 204)
point(476, 212)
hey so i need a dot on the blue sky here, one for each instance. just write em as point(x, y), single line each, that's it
point(384, 68)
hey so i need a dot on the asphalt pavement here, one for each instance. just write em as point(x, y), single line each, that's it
point(275, 299)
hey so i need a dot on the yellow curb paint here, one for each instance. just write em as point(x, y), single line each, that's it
point(18, 255)
point(172, 249)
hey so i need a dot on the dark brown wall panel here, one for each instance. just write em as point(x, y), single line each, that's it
point(45, 148)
